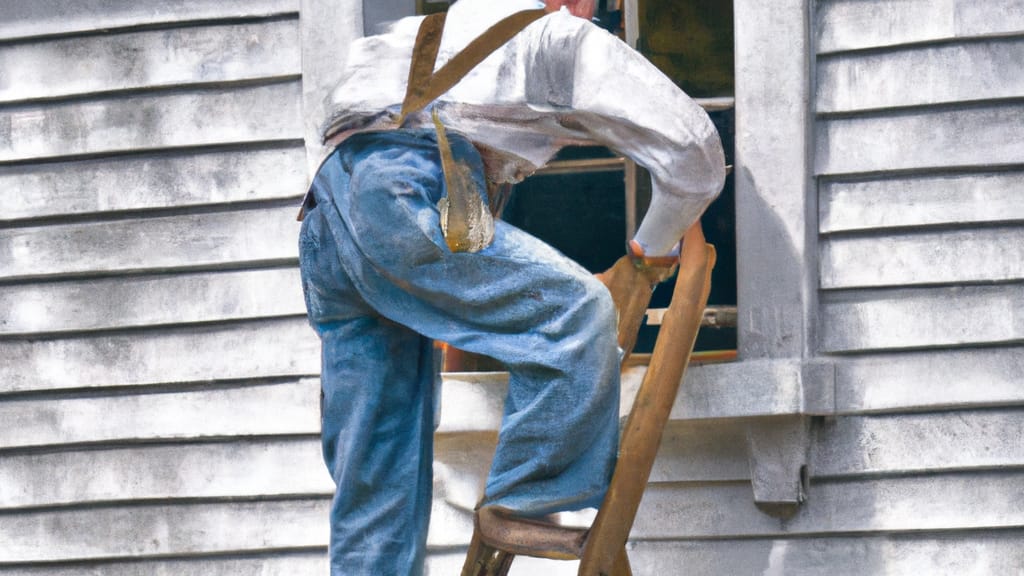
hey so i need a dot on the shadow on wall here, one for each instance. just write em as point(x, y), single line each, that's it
point(771, 279)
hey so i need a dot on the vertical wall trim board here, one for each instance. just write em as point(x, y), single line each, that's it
point(773, 226)
point(327, 30)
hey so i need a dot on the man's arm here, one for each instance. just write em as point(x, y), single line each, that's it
point(621, 100)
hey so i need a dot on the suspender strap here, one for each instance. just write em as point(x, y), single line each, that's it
point(466, 221)
point(424, 86)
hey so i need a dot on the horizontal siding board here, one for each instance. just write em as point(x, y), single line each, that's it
point(921, 201)
point(921, 76)
point(921, 139)
point(172, 529)
point(705, 451)
point(149, 300)
point(288, 408)
point(930, 380)
point(987, 18)
point(202, 54)
point(988, 500)
point(166, 180)
point(907, 443)
point(479, 398)
point(955, 554)
point(702, 451)
point(906, 505)
point(306, 563)
point(152, 121)
point(716, 451)
point(236, 351)
point(198, 240)
point(200, 528)
point(925, 317)
point(854, 24)
point(215, 470)
point(52, 17)
point(958, 256)
point(461, 464)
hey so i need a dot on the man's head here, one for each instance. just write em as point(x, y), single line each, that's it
point(581, 8)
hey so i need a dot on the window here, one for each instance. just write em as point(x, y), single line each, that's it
point(588, 201)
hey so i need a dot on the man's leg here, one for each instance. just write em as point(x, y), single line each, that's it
point(377, 419)
point(518, 300)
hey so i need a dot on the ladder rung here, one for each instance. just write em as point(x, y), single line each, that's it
point(714, 316)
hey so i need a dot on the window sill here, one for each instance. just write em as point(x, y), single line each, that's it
point(473, 401)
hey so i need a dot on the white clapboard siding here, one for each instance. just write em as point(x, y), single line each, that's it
point(212, 412)
point(151, 121)
point(947, 73)
point(57, 17)
point(197, 528)
point(234, 237)
point(163, 529)
point(699, 510)
point(854, 24)
point(290, 563)
point(977, 136)
point(703, 451)
point(943, 554)
point(679, 511)
point(149, 59)
point(905, 443)
point(232, 351)
point(979, 500)
point(214, 470)
point(906, 202)
point(147, 181)
point(943, 257)
point(149, 300)
point(708, 451)
point(158, 378)
point(925, 317)
point(930, 380)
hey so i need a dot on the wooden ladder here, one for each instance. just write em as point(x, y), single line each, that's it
point(498, 537)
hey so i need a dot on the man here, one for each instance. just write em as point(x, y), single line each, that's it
point(381, 282)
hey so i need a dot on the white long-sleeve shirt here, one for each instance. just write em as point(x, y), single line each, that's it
point(560, 81)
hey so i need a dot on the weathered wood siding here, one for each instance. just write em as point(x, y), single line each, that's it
point(919, 165)
point(158, 390)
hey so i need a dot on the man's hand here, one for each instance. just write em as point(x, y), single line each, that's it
point(631, 280)
point(631, 292)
